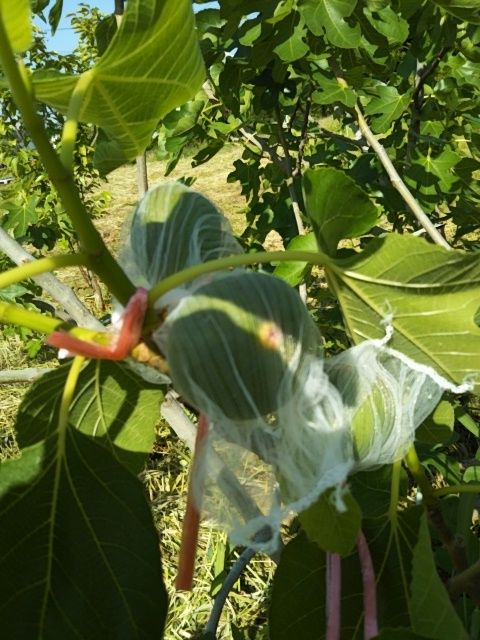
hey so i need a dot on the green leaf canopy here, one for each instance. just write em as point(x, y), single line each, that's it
point(468, 10)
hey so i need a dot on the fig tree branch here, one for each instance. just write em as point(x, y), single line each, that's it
point(387, 164)
point(421, 76)
point(399, 184)
point(59, 291)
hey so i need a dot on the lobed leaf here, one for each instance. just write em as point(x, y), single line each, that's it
point(387, 106)
point(295, 47)
point(329, 16)
point(330, 91)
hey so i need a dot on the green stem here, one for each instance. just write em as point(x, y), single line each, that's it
point(416, 469)
point(70, 128)
point(186, 275)
point(101, 261)
point(394, 490)
point(67, 397)
point(456, 488)
point(11, 314)
point(43, 265)
point(452, 543)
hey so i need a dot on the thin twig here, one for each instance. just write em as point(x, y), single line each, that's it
point(297, 212)
point(142, 174)
point(421, 76)
point(290, 178)
point(221, 597)
point(211, 91)
point(23, 375)
point(369, 588)
point(452, 543)
point(334, 595)
point(304, 134)
point(265, 148)
point(425, 71)
point(399, 184)
point(395, 178)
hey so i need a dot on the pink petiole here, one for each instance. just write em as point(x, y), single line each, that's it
point(191, 522)
point(122, 342)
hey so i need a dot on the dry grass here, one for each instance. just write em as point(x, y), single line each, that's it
point(12, 356)
point(166, 480)
point(211, 180)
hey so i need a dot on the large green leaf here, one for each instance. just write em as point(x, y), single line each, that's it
point(468, 10)
point(390, 24)
point(332, 530)
point(438, 427)
point(17, 23)
point(111, 404)
point(371, 490)
point(152, 65)
point(433, 296)
point(80, 555)
point(329, 16)
point(336, 206)
point(432, 611)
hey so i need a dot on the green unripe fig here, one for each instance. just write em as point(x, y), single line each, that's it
point(234, 345)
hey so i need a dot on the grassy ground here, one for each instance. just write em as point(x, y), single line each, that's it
point(166, 474)
point(210, 179)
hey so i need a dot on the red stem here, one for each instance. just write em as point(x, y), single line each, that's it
point(334, 595)
point(127, 338)
point(191, 522)
point(369, 588)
